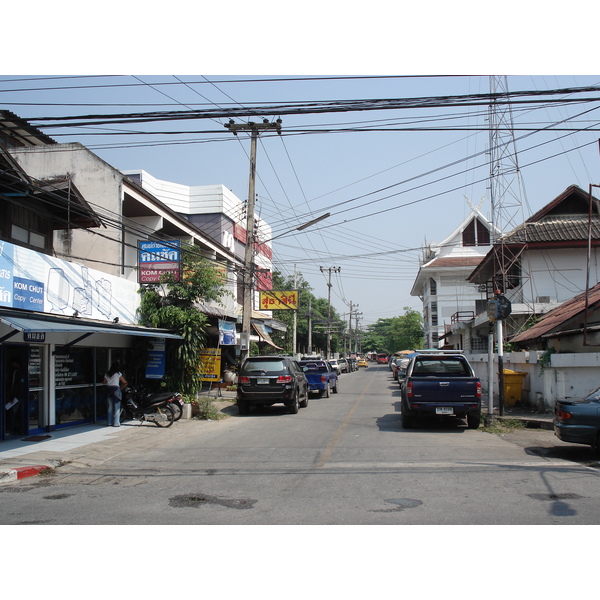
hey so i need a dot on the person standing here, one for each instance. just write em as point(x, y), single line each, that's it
point(115, 383)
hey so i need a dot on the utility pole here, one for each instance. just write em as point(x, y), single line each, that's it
point(331, 270)
point(248, 286)
point(294, 341)
point(309, 326)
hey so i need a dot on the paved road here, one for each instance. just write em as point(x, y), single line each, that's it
point(341, 460)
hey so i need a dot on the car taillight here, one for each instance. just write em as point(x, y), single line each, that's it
point(409, 391)
point(284, 379)
point(478, 389)
point(562, 415)
point(244, 380)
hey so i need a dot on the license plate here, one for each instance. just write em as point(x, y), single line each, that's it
point(262, 381)
point(444, 410)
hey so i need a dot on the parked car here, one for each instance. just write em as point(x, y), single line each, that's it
point(335, 365)
point(577, 421)
point(321, 377)
point(267, 380)
point(343, 365)
point(440, 384)
point(400, 366)
point(361, 362)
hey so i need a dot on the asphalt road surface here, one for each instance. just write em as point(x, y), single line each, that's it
point(343, 460)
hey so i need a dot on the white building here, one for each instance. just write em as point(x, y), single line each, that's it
point(220, 214)
point(441, 282)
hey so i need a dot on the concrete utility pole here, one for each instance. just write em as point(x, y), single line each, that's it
point(254, 129)
point(331, 270)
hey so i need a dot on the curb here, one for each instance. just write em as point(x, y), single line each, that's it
point(9, 475)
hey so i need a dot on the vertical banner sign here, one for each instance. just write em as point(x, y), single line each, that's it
point(157, 258)
point(210, 364)
point(155, 369)
point(226, 333)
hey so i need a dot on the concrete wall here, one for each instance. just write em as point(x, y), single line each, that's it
point(100, 185)
point(565, 376)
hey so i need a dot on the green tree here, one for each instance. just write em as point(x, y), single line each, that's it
point(318, 308)
point(173, 305)
point(395, 333)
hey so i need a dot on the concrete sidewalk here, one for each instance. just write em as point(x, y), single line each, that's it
point(20, 458)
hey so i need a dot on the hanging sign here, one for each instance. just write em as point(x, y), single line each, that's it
point(278, 300)
point(157, 258)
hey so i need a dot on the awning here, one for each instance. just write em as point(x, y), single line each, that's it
point(262, 332)
point(72, 325)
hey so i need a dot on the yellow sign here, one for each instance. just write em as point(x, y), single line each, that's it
point(210, 364)
point(273, 300)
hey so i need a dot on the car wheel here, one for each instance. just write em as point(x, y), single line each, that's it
point(596, 446)
point(293, 408)
point(407, 421)
point(304, 402)
point(326, 392)
point(335, 389)
point(473, 420)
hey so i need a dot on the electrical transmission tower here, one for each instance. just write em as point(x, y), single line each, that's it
point(507, 190)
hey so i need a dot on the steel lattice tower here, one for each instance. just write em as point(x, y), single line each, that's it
point(506, 184)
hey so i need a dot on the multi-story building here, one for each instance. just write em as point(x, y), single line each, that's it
point(441, 282)
point(71, 225)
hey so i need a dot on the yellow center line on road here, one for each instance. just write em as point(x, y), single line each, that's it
point(333, 442)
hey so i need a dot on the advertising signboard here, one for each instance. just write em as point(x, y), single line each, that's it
point(155, 367)
point(278, 300)
point(157, 258)
point(210, 364)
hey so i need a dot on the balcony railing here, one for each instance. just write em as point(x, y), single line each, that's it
point(462, 316)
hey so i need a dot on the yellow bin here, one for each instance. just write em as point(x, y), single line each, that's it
point(513, 386)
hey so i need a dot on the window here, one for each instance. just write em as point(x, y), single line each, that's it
point(476, 234)
point(432, 286)
point(30, 238)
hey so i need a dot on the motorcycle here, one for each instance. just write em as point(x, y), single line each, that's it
point(154, 408)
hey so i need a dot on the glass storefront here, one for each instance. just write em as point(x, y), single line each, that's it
point(74, 381)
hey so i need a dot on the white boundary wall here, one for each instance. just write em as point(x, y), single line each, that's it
point(566, 376)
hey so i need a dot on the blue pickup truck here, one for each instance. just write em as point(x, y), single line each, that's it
point(439, 384)
point(322, 378)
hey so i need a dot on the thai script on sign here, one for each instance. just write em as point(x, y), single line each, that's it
point(279, 300)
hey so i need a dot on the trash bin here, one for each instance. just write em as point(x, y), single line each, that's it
point(513, 386)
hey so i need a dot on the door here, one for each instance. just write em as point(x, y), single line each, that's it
point(15, 391)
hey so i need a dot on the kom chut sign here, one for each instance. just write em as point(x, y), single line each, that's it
point(157, 258)
point(34, 281)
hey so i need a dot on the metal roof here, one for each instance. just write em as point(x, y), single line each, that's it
point(561, 315)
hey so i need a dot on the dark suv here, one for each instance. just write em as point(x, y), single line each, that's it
point(267, 380)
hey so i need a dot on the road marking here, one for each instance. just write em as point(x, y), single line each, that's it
point(333, 442)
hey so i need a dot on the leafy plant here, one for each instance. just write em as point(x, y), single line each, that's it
point(173, 305)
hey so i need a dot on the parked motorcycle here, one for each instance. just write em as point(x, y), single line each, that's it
point(155, 408)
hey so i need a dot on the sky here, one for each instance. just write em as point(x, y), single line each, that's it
point(390, 192)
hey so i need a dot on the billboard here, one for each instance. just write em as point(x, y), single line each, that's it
point(158, 258)
point(210, 364)
point(278, 300)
